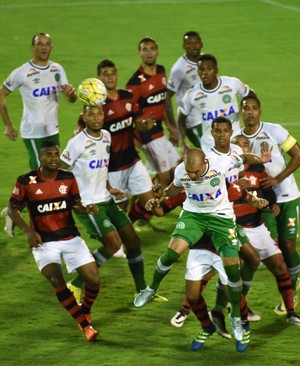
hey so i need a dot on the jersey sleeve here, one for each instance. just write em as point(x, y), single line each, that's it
point(71, 152)
point(18, 195)
point(14, 80)
point(175, 78)
point(186, 103)
point(241, 89)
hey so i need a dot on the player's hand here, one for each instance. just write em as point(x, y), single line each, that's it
point(91, 209)
point(11, 132)
point(117, 193)
point(276, 210)
point(69, 92)
point(243, 182)
point(269, 182)
point(34, 239)
point(174, 135)
point(266, 153)
point(151, 204)
point(158, 190)
point(257, 202)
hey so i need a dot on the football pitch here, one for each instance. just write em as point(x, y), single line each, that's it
point(256, 41)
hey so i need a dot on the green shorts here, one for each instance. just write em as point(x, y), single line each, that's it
point(288, 220)
point(33, 147)
point(270, 221)
point(191, 226)
point(194, 134)
point(109, 218)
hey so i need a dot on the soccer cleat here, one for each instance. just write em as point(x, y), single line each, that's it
point(120, 253)
point(218, 320)
point(280, 308)
point(88, 318)
point(179, 318)
point(242, 345)
point(90, 333)
point(201, 337)
point(143, 297)
point(77, 292)
point(9, 224)
point(237, 327)
point(252, 317)
point(293, 319)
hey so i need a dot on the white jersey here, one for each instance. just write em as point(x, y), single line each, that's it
point(275, 136)
point(183, 76)
point(221, 101)
point(209, 193)
point(89, 158)
point(232, 175)
point(39, 87)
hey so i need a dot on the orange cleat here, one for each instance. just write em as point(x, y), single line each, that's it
point(90, 333)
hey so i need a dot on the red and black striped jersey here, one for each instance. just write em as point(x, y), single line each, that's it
point(246, 214)
point(49, 203)
point(119, 115)
point(150, 92)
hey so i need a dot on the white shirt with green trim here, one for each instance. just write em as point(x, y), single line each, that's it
point(89, 158)
point(39, 88)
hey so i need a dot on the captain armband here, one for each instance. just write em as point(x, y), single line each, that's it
point(288, 143)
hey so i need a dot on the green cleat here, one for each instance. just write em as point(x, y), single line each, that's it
point(77, 292)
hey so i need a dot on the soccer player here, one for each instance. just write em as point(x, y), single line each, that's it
point(280, 176)
point(214, 96)
point(40, 81)
point(88, 154)
point(183, 76)
point(149, 87)
point(206, 208)
point(50, 195)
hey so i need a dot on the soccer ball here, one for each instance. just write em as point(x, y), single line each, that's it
point(92, 92)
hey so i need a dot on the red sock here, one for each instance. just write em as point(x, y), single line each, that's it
point(285, 288)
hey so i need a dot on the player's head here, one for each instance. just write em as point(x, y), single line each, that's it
point(148, 51)
point(41, 45)
point(49, 156)
point(192, 45)
point(250, 110)
point(221, 130)
point(208, 69)
point(93, 118)
point(243, 142)
point(194, 162)
point(108, 74)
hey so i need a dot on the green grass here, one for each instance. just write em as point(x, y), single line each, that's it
point(256, 41)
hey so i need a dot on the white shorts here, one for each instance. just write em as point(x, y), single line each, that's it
point(161, 155)
point(134, 180)
point(200, 262)
point(74, 252)
point(262, 241)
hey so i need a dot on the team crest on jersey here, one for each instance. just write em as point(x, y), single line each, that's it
point(226, 98)
point(199, 96)
point(32, 179)
point(63, 189)
point(215, 182)
point(128, 107)
point(57, 76)
point(107, 223)
point(180, 225)
point(32, 72)
point(225, 89)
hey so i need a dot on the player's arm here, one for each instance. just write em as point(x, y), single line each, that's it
point(169, 107)
point(9, 129)
point(33, 237)
point(116, 192)
point(171, 126)
point(182, 130)
point(293, 164)
point(172, 190)
point(90, 209)
point(69, 92)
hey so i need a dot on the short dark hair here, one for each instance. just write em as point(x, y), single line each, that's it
point(250, 96)
point(191, 34)
point(40, 34)
point(105, 63)
point(220, 119)
point(208, 57)
point(146, 40)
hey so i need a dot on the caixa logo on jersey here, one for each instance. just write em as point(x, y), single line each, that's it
point(156, 98)
point(121, 125)
point(52, 206)
point(203, 197)
point(99, 163)
point(209, 116)
point(44, 92)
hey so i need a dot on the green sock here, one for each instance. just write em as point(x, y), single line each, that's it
point(293, 263)
point(234, 288)
point(247, 273)
point(135, 262)
point(164, 265)
point(101, 255)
